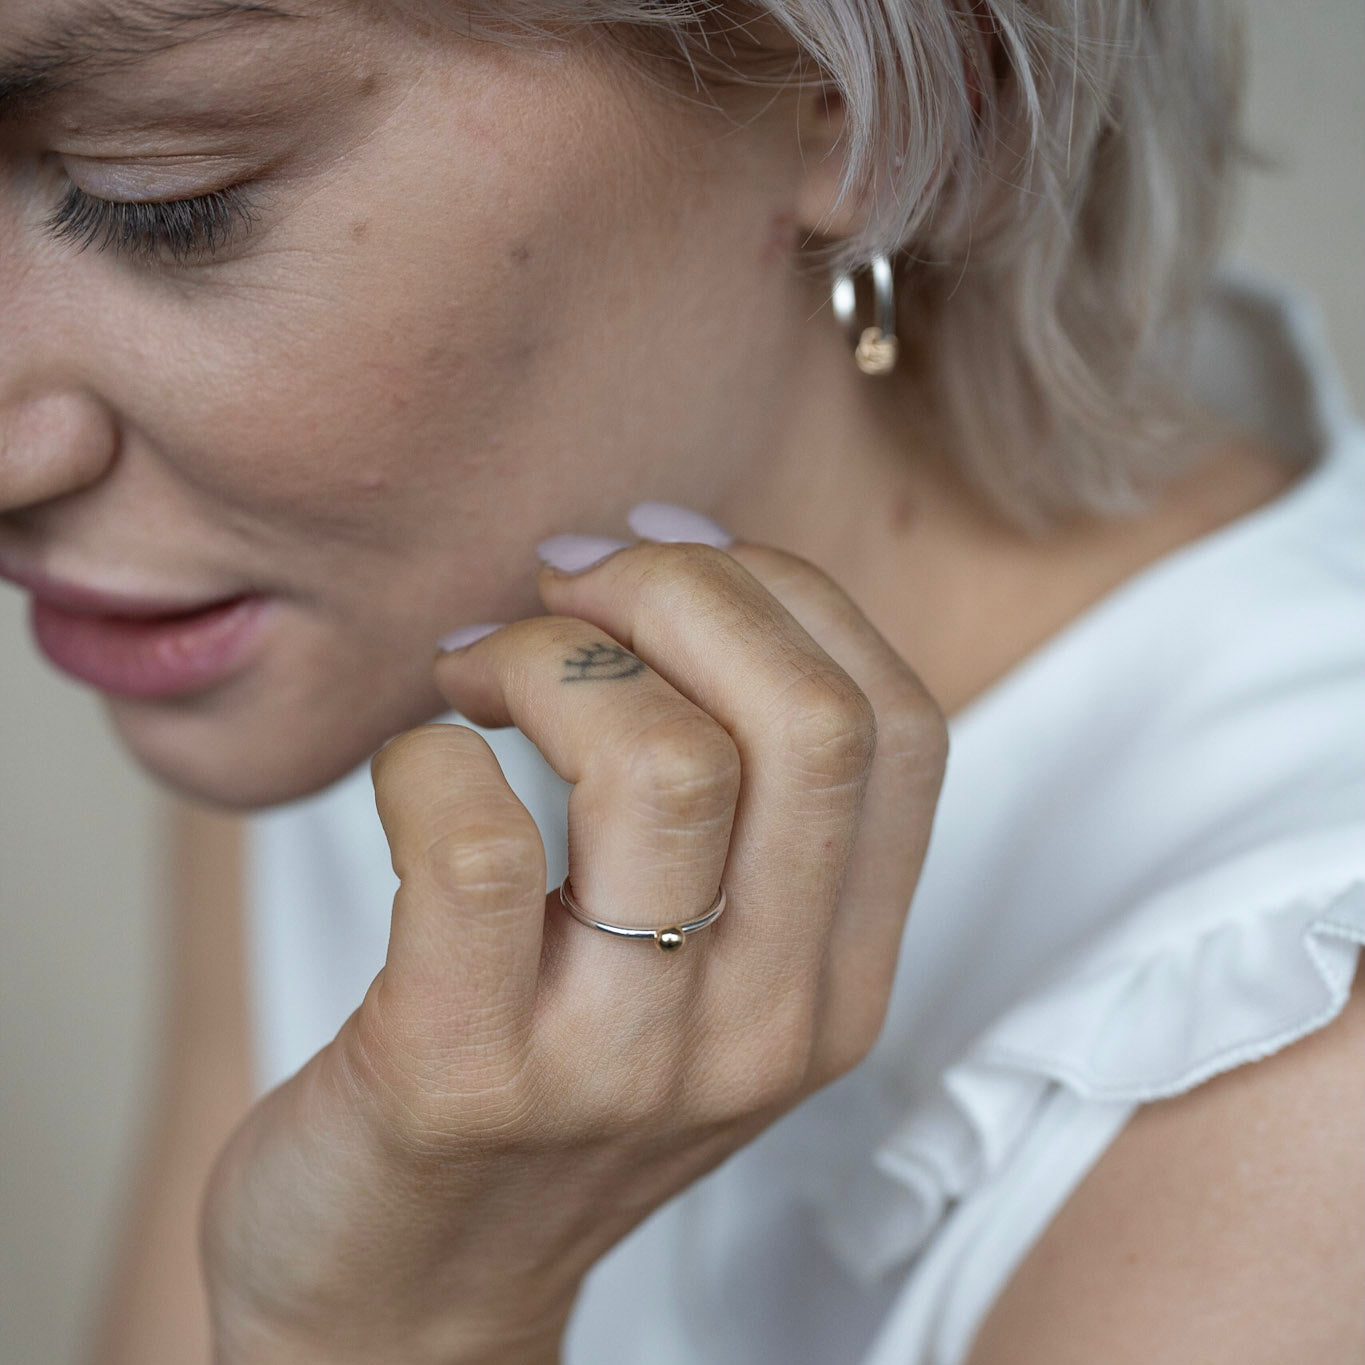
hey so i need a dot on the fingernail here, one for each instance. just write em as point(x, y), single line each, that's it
point(573, 554)
point(668, 521)
point(466, 635)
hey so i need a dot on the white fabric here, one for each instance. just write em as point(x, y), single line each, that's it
point(1147, 867)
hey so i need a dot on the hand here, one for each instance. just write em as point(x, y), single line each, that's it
point(518, 1090)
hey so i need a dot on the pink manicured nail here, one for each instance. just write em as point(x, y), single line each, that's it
point(573, 554)
point(466, 635)
point(667, 521)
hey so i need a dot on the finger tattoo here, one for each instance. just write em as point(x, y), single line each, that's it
point(599, 661)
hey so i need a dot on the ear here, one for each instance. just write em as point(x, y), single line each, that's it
point(820, 127)
point(821, 130)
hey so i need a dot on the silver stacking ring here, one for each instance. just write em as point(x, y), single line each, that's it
point(669, 939)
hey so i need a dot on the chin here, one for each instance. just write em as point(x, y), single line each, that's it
point(233, 749)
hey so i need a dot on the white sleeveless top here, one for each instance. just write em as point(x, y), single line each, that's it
point(1147, 866)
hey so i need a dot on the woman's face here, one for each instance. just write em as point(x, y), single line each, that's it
point(488, 294)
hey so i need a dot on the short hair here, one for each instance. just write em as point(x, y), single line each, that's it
point(1050, 178)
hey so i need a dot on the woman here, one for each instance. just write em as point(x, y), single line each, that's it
point(325, 321)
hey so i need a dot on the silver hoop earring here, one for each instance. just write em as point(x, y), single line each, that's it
point(875, 348)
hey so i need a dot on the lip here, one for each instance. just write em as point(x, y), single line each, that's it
point(158, 656)
point(73, 597)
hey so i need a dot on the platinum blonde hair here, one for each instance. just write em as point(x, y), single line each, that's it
point(1050, 178)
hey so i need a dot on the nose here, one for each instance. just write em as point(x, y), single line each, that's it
point(52, 443)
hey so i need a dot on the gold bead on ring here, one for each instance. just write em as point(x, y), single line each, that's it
point(669, 939)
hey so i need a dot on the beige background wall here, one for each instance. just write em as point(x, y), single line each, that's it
point(78, 906)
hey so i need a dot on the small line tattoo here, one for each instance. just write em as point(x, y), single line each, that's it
point(598, 661)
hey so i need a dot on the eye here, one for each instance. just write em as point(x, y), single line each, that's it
point(184, 229)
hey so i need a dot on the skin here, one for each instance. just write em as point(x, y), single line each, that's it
point(498, 1111)
point(340, 412)
point(483, 293)
point(375, 405)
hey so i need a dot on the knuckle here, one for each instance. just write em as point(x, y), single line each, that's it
point(686, 767)
point(688, 556)
point(829, 727)
point(671, 570)
point(912, 726)
point(479, 862)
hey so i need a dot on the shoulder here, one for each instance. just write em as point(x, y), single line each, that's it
point(1222, 1225)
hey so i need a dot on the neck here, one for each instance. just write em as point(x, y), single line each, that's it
point(961, 594)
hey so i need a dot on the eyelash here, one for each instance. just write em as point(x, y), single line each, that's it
point(186, 229)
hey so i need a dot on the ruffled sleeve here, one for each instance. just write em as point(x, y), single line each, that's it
point(1221, 970)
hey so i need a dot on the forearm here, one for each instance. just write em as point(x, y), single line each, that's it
point(153, 1309)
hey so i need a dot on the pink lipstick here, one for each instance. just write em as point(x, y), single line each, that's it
point(151, 656)
point(152, 646)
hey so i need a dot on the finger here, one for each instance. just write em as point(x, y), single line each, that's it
point(902, 788)
point(655, 782)
point(803, 730)
point(465, 938)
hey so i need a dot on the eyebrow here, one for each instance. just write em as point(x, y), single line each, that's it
point(111, 36)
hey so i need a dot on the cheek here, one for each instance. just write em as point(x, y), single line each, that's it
point(468, 334)
point(340, 392)
point(465, 340)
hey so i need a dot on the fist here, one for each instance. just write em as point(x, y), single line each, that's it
point(519, 1089)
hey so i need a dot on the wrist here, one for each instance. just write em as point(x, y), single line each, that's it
point(274, 1301)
